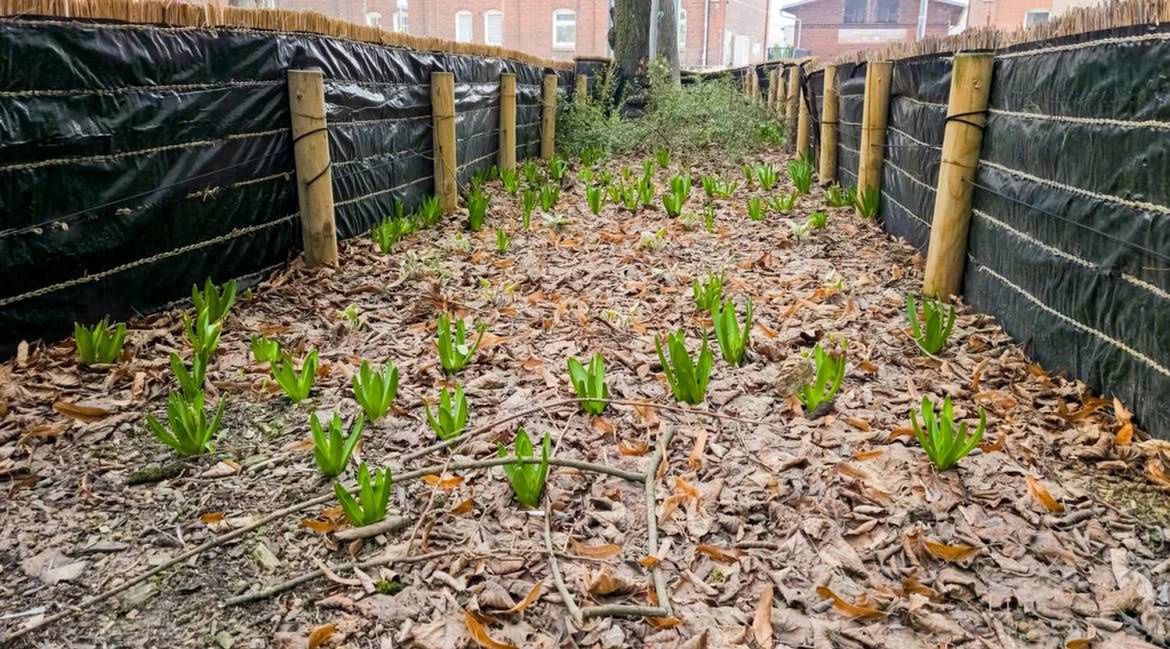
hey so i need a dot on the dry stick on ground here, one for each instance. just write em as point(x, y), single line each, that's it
point(321, 500)
point(555, 569)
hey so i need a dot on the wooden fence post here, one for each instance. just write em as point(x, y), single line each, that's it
point(548, 118)
point(873, 126)
point(773, 83)
point(962, 140)
point(581, 94)
point(306, 98)
point(802, 125)
point(753, 82)
point(507, 155)
point(791, 110)
point(781, 92)
point(829, 115)
point(443, 113)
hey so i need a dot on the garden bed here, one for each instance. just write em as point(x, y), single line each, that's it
point(773, 529)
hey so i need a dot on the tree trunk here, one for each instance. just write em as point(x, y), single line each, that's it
point(667, 25)
point(630, 37)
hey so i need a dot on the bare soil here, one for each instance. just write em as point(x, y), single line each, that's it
point(778, 530)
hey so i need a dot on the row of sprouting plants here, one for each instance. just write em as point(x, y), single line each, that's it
point(190, 430)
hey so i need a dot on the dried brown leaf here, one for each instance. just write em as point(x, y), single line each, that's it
point(1043, 495)
point(849, 609)
point(479, 634)
point(320, 635)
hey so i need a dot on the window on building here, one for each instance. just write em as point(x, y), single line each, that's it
point(887, 11)
point(564, 29)
point(401, 25)
point(682, 27)
point(854, 11)
point(374, 19)
point(1035, 17)
point(265, 4)
point(463, 26)
point(493, 27)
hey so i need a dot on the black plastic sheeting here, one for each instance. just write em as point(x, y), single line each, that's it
point(138, 160)
point(851, 100)
point(914, 133)
point(1070, 240)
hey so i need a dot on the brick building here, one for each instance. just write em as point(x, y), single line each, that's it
point(1013, 14)
point(828, 28)
point(735, 30)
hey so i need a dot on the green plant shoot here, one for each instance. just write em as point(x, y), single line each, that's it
point(190, 381)
point(375, 392)
point(503, 241)
point(510, 180)
point(332, 449)
point(203, 334)
point(557, 168)
point(755, 208)
point(265, 350)
point(296, 385)
point(549, 195)
point(932, 331)
point(687, 378)
point(100, 344)
point(782, 204)
point(215, 302)
point(708, 293)
point(662, 157)
point(868, 203)
point(593, 195)
point(454, 351)
point(709, 218)
point(477, 205)
point(837, 197)
point(733, 339)
point(589, 383)
point(450, 416)
point(527, 205)
point(188, 431)
point(373, 497)
point(944, 444)
point(767, 176)
point(830, 371)
point(526, 477)
point(531, 173)
point(801, 173)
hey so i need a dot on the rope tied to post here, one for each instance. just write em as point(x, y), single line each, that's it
point(959, 117)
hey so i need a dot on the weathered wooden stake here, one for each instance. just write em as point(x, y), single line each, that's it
point(581, 94)
point(791, 111)
point(802, 126)
point(443, 113)
point(874, 114)
point(830, 111)
point(962, 140)
point(753, 82)
point(782, 91)
point(548, 118)
point(306, 98)
point(773, 84)
point(507, 155)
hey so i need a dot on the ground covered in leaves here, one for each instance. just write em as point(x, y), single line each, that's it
point(775, 530)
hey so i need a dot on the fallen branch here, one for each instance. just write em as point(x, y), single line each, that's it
point(386, 526)
point(580, 465)
point(555, 569)
point(651, 486)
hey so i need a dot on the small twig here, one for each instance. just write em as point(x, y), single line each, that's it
point(650, 487)
point(366, 531)
point(625, 610)
point(498, 461)
point(290, 584)
point(555, 569)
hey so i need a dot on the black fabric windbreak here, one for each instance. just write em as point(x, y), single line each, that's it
point(851, 101)
point(814, 91)
point(137, 160)
point(1070, 235)
point(919, 91)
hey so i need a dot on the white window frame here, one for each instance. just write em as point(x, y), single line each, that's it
point(373, 19)
point(680, 15)
point(1030, 12)
point(401, 21)
point(564, 45)
point(464, 14)
point(487, 32)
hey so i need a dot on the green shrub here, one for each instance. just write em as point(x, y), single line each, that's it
point(450, 417)
point(755, 208)
point(100, 344)
point(708, 293)
point(265, 350)
point(389, 232)
point(477, 205)
point(591, 155)
point(830, 371)
point(593, 196)
point(687, 378)
point(557, 168)
point(332, 450)
point(931, 335)
point(214, 301)
point(733, 339)
point(373, 497)
point(527, 478)
point(454, 351)
point(503, 241)
point(944, 444)
point(188, 431)
point(868, 202)
point(801, 173)
point(296, 385)
point(375, 392)
point(429, 211)
point(190, 381)
point(589, 383)
point(673, 203)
